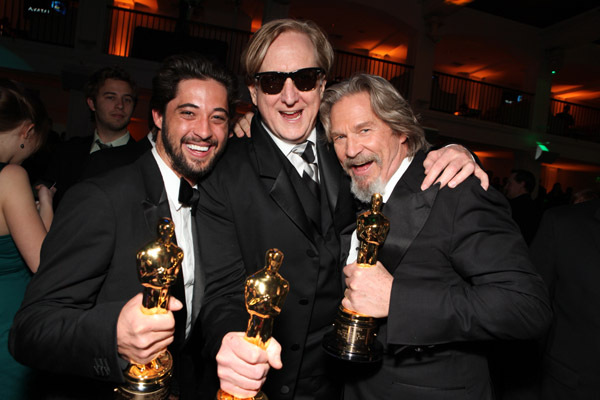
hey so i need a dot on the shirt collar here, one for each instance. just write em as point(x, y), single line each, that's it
point(120, 141)
point(391, 184)
point(285, 147)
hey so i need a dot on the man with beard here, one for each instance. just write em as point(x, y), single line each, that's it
point(82, 315)
point(454, 270)
point(111, 95)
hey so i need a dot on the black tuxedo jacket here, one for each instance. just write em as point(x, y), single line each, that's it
point(566, 251)
point(67, 322)
point(462, 276)
point(253, 201)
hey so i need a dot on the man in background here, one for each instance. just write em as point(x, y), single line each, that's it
point(111, 95)
point(525, 212)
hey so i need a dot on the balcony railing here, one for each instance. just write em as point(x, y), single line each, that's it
point(346, 64)
point(145, 35)
point(131, 33)
point(473, 99)
point(47, 25)
point(128, 26)
point(574, 120)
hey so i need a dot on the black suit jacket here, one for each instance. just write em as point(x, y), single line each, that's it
point(69, 163)
point(67, 322)
point(253, 201)
point(114, 157)
point(462, 276)
point(566, 251)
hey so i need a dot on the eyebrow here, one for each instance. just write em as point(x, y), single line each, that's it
point(363, 124)
point(116, 94)
point(184, 105)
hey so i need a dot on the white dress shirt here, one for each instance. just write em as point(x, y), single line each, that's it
point(182, 218)
point(122, 141)
point(387, 192)
point(287, 149)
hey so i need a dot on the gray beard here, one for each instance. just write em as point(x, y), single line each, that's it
point(364, 194)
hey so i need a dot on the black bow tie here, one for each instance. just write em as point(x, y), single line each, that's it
point(188, 196)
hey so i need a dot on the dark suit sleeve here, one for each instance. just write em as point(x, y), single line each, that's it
point(475, 280)
point(221, 258)
point(60, 327)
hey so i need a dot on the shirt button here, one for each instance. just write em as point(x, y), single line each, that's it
point(295, 347)
point(311, 253)
point(284, 389)
point(303, 302)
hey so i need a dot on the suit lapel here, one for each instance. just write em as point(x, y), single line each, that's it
point(155, 205)
point(199, 279)
point(407, 209)
point(274, 175)
point(330, 171)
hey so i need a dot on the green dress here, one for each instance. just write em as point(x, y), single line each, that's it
point(14, 277)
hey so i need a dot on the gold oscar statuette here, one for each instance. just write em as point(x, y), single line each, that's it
point(265, 292)
point(354, 336)
point(158, 266)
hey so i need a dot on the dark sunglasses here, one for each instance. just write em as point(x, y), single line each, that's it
point(272, 82)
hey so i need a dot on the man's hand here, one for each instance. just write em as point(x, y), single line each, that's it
point(242, 126)
point(455, 164)
point(368, 289)
point(142, 337)
point(242, 366)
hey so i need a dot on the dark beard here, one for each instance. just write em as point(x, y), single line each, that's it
point(180, 164)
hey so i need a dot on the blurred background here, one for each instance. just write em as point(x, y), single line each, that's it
point(516, 81)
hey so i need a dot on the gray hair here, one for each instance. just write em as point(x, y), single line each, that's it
point(387, 104)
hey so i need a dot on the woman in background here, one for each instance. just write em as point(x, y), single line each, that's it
point(23, 222)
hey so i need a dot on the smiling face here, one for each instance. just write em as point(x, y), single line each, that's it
point(113, 106)
point(194, 127)
point(291, 114)
point(367, 148)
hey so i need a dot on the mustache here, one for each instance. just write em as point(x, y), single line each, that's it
point(361, 159)
point(199, 142)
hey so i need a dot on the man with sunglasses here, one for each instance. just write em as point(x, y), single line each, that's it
point(282, 188)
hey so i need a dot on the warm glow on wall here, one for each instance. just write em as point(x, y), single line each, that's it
point(579, 95)
point(256, 24)
point(458, 2)
point(124, 4)
point(391, 53)
point(150, 5)
point(558, 89)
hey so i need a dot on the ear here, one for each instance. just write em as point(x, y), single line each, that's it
point(27, 130)
point(91, 104)
point(253, 94)
point(157, 118)
point(322, 87)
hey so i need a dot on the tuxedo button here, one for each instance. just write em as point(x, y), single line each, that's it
point(418, 349)
point(284, 389)
point(303, 302)
point(295, 347)
point(311, 253)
